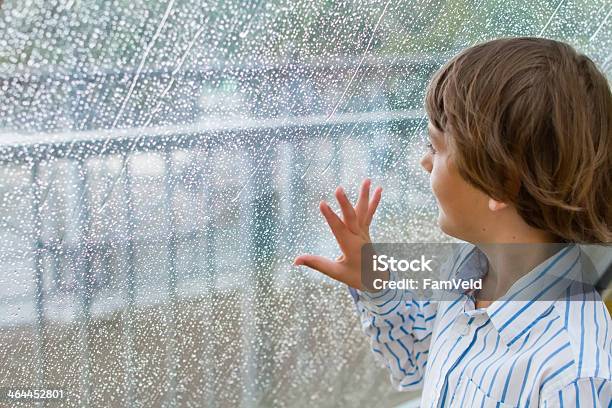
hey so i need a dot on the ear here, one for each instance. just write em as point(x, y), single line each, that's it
point(495, 205)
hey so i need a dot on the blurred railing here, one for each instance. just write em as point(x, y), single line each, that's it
point(103, 235)
point(143, 205)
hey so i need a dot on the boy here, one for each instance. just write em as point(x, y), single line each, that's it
point(520, 152)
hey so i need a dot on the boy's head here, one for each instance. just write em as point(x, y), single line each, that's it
point(521, 133)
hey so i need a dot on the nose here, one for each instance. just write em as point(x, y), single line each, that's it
point(426, 162)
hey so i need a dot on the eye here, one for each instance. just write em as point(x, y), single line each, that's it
point(432, 150)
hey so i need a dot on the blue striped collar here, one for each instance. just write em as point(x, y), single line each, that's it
point(532, 295)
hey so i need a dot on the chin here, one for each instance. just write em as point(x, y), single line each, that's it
point(449, 228)
point(443, 223)
point(448, 231)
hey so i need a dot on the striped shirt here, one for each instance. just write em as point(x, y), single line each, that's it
point(548, 351)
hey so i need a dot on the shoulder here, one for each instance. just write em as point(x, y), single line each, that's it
point(587, 327)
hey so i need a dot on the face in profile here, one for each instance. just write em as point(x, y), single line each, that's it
point(462, 209)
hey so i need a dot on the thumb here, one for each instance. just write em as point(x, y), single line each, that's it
point(319, 263)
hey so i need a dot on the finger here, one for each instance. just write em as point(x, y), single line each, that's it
point(321, 264)
point(335, 223)
point(373, 205)
point(348, 212)
point(362, 203)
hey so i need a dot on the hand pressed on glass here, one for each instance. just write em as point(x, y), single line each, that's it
point(351, 232)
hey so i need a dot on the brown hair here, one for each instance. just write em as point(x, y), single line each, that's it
point(529, 122)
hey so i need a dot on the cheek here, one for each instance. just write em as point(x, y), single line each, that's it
point(457, 200)
point(441, 183)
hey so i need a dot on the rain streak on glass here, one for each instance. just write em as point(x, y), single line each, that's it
point(161, 163)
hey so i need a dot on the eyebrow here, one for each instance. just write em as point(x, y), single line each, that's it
point(436, 137)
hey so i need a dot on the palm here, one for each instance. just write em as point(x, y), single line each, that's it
point(351, 232)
